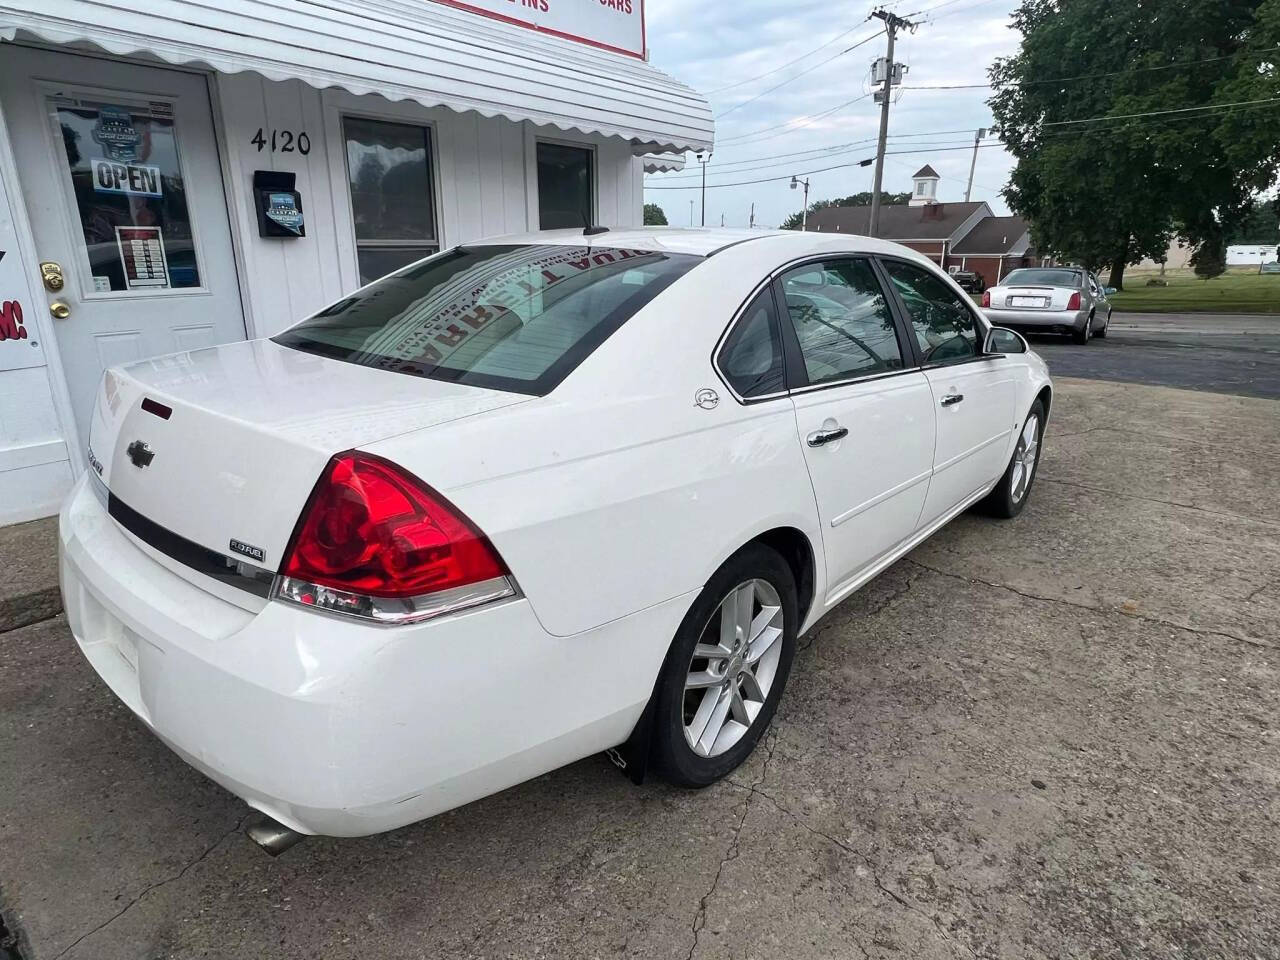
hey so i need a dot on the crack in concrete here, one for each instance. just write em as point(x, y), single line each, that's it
point(754, 790)
point(1168, 503)
point(154, 886)
point(1158, 621)
point(879, 608)
point(731, 854)
point(1257, 590)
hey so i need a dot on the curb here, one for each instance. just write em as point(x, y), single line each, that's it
point(28, 608)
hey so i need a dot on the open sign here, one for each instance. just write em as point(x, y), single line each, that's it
point(109, 176)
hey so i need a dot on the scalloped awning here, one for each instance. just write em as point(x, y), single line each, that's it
point(422, 51)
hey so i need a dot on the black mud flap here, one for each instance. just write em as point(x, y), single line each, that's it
point(632, 757)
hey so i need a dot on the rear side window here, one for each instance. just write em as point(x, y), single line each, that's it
point(751, 359)
point(842, 320)
point(512, 317)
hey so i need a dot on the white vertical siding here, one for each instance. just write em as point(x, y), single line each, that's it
point(486, 185)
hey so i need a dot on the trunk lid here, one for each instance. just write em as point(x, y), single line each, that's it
point(1030, 297)
point(250, 427)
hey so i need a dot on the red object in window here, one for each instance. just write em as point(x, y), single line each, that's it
point(986, 298)
point(1074, 302)
point(374, 529)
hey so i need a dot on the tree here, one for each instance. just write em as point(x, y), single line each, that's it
point(1259, 224)
point(1209, 261)
point(1109, 192)
point(856, 200)
point(653, 215)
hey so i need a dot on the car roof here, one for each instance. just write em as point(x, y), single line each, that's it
point(703, 241)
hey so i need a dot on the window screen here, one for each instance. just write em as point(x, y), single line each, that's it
point(510, 317)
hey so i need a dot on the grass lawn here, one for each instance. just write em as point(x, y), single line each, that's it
point(1239, 292)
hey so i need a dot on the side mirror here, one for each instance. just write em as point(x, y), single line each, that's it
point(1004, 340)
point(1108, 290)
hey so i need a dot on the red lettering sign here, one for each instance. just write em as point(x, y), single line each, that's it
point(11, 327)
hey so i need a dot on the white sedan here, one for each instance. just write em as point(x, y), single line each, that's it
point(524, 501)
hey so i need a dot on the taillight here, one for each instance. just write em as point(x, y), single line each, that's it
point(377, 543)
point(986, 298)
point(1074, 302)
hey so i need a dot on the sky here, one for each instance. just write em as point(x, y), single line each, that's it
point(711, 46)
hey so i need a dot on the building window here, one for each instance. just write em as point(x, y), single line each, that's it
point(392, 201)
point(566, 186)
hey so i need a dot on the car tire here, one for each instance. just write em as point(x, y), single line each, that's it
point(1081, 337)
point(1102, 334)
point(690, 755)
point(1013, 491)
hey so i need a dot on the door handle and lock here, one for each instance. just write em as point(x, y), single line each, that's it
point(820, 437)
point(951, 399)
point(51, 274)
point(59, 310)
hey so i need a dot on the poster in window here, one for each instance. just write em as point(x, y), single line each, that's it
point(142, 257)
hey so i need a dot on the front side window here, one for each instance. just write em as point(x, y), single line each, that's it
point(389, 169)
point(751, 359)
point(130, 194)
point(946, 330)
point(842, 320)
point(509, 317)
point(566, 186)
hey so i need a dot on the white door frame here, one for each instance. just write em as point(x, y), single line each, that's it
point(39, 315)
point(236, 220)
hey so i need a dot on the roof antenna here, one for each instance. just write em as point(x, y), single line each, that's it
point(587, 229)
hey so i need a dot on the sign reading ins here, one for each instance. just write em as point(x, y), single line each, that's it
point(616, 25)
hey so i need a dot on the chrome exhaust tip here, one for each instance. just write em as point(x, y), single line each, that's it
point(274, 837)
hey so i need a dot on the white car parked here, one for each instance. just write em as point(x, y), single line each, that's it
point(528, 500)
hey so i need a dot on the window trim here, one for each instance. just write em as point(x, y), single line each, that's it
point(433, 171)
point(590, 148)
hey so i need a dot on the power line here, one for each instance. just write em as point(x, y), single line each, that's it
point(1088, 76)
point(791, 124)
point(1156, 113)
point(789, 63)
point(822, 63)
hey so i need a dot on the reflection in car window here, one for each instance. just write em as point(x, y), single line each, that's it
point(752, 356)
point(508, 317)
point(946, 330)
point(841, 319)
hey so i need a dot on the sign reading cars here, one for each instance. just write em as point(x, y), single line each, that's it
point(616, 25)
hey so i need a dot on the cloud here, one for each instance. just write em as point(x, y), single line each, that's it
point(713, 45)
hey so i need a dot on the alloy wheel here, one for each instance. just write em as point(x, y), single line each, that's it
point(733, 668)
point(1024, 459)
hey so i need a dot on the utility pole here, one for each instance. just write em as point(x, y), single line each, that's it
point(892, 75)
point(691, 213)
point(722, 219)
point(982, 132)
point(751, 224)
point(704, 159)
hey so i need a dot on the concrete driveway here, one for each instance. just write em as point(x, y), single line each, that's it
point(1051, 737)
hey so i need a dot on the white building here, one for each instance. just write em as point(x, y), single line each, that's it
point(1251, 253)
point(175, 174)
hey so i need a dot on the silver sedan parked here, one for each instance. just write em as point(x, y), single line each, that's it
point(1066, 300)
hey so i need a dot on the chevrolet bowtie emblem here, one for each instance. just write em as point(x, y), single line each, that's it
point(140, 454)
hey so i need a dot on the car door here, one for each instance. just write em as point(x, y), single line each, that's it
point(974, 395)
point(864, 413)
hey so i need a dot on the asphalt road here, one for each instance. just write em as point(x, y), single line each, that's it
point(1215, 352)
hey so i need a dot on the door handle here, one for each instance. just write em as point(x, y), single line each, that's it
point(820, 437)
point(951, 399)
point(59, 310)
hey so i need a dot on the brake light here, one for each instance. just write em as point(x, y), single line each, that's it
point(377, 543)
point(986, 298)
point(1074, 302)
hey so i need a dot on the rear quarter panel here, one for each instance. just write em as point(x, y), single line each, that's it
point(616, 492)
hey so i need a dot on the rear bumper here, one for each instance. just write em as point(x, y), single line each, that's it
point(1060, 320)
point(336, 728)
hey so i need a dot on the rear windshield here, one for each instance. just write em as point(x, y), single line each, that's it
point(1042, 278)
point(516, 317)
